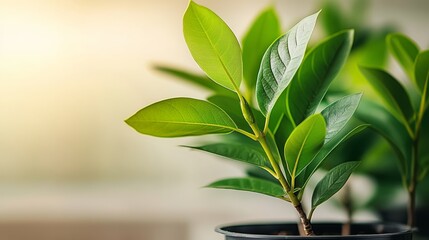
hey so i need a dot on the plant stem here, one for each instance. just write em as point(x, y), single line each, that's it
point(261, 138)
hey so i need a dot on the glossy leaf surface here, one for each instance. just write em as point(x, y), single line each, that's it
point(391, 91)
point(264, 30)
point(213, 46)
point(303, 143)
point(318, 70)
point(251, 185)
point(280, 63)
point(238, 151)
point(404, 50)
point(332, 182)
point(180, 117)
point(421, 72)
point(339, 113)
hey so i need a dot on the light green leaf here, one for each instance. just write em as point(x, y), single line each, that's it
point(339, 113)
point(404, 50)
point(326, 150)
point(180, 117)
point(238, 151)
point(392, 92)
point(318, 70)
point(280, 63)
point(251, 185)
point(213, 46)
point(264, 30)
point(194, 78)
point(421, 72)
point(332, 182)
point(304, 143)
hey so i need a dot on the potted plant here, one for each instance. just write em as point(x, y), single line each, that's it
point(403, 120)
point(288, 137)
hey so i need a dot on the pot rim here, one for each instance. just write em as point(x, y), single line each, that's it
point(401, 229)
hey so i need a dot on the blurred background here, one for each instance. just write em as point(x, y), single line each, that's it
point(72, 71)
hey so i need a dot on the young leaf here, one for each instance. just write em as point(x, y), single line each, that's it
point(238, 151)
point(421, 72)
point(251, 185)
point(391, 91)
point(339, 113)
point(318, 70)
point(332, 182)
point(326, 150)
point(193, 78)
point(180, 117)
point(280, 63)
point(264, 30)
point(404, 50)
point(303, 144)
point(213, 46)
point(231, 105)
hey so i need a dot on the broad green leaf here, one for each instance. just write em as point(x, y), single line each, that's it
point(213, 46)
point(180, 117)
point(324, 153)
point(238, 151)
point(264, 30)
point(304, 143)
point(193, 78)
point(332, 182)
point(404, 50)
point(318, 70)
point(273, 146)
point(339, 113)
point(256, 172)
point(421, 72)
point(280, 63)
point(251, 185)
point(231, 105)
point(392, 92)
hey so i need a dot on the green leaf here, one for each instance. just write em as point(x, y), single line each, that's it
point(304, 143)
point(280, 63)
point(404, 50)
point(326, 150)
point(180, 117)
point(213, 46)
point(256, 172)
point(238, 151)
point(421, 72)
point(231, 105)
point(332, 182)
point(331, 18)
point(251, 185)
point(339, 113)
point(264, 30)
point(193, 78)
point(318, 70)
point(392, 92)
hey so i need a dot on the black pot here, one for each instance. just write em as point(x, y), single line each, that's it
point(324, 231)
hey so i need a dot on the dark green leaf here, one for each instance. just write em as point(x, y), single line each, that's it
point(280, 63)
point(332, 182)
point(303, 144)
point(251, 185)
point(318, 70)
point(339, 113)
point(180, 117)
point(421, 72)
point(392, 92)
point(238, 151)
point(193, 78)
point(256, 172)
point(264, 30)
point(213, 46)
point(404, 50)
